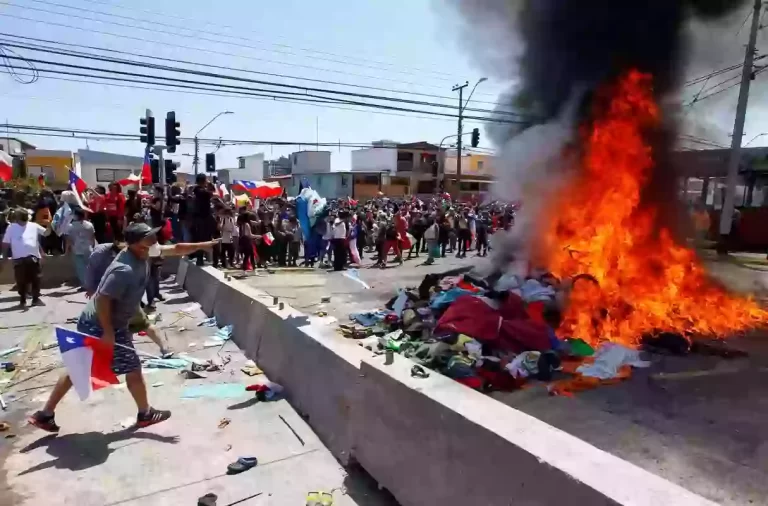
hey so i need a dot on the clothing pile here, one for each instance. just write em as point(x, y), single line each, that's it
point(490, 334)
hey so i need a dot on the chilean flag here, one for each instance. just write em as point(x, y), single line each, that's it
point(77, 184)
point(88, 361)
point(6, 166)
point(146, 170)
point(257, 189)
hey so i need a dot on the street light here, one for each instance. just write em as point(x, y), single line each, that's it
point(462, 107)
point(196, 159)
point(481, 80)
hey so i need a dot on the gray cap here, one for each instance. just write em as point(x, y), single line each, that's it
point(135, 232)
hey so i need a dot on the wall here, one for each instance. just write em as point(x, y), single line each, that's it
point(310, 162)
point(54, 165)
point(429, 441)
point(251, 168)
point(374, 160)
point(471, 165)
point(13, 146)
point(332, 185)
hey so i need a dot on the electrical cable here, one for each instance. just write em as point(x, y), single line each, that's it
point(15, 37)
point(197, 31)
point(12, 71)
point(229, 86)
point(92, 31)
point(238, 28)
point(121, 61)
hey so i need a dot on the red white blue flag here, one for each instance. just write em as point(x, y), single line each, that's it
point(257, 189)
point(77, 184)
point(87, 359)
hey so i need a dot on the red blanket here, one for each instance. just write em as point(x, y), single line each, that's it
point(509, 328)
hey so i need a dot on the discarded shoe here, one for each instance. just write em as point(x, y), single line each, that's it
point(208, 499)
point(241, 465)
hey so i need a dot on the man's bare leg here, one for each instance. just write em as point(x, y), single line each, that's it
point(155, 336)
point(147, 415)
point(135, 382)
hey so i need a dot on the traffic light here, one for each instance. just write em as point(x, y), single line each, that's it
point(172, 132)
point(170, 171)
point(154, 166)
point(210, 162)
point(475, 137)
point(147, 130)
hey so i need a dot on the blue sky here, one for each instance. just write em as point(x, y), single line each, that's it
point(385, 43)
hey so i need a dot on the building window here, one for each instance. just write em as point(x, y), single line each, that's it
point(480, 165)
point(365, 179)
point(344, 181)
point(111, 175)
point(37, 171)
point(241, 163)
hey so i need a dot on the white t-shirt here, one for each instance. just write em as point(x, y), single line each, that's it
point(24, 240)
point(339, 230)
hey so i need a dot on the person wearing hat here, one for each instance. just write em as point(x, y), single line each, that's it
point(108, 313)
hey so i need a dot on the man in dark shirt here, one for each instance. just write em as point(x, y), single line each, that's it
point(203, 222)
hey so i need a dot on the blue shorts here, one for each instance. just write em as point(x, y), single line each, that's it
point(124, 360)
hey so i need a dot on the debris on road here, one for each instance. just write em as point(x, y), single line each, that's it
point(5, 426)
point(50, 345)
point(9, 351)
point(251, 369)
point(224, 422)
point(242, 464)
point(215, 391)
point(208, 322)
point(157, 384)
point(266, 391)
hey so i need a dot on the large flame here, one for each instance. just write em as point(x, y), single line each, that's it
point(647, 282)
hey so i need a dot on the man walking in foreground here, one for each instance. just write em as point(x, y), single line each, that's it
point(22, 238)
point(107, 315)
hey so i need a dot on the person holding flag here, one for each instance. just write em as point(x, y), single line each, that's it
point(107, 316)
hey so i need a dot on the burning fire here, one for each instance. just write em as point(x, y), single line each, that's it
point(647, 282)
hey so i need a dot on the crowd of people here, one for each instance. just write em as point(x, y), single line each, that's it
point(117, 241)
point(250, 233)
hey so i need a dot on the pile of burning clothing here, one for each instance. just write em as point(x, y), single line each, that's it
point(491, 334)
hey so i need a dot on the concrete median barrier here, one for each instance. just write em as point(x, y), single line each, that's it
point(202, 284)
point(429, 441)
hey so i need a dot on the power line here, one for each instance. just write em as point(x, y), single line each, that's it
point(198, 31)
point(279, 92)
point(13, 38)
point(235, 28)
point(135, 137)
point(135, 63)
point(722, 90)
point(90, 30)
point(314, 99)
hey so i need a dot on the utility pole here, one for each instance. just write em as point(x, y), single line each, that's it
point(726, 216)
point(196, 158)
point(460, 132)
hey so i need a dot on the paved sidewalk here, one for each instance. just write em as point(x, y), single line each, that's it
point(96, 461)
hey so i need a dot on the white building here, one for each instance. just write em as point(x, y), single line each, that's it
point(381, 160)
point(249, 168)
point(100, 168)
point(14, 146)
point(311, 162)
